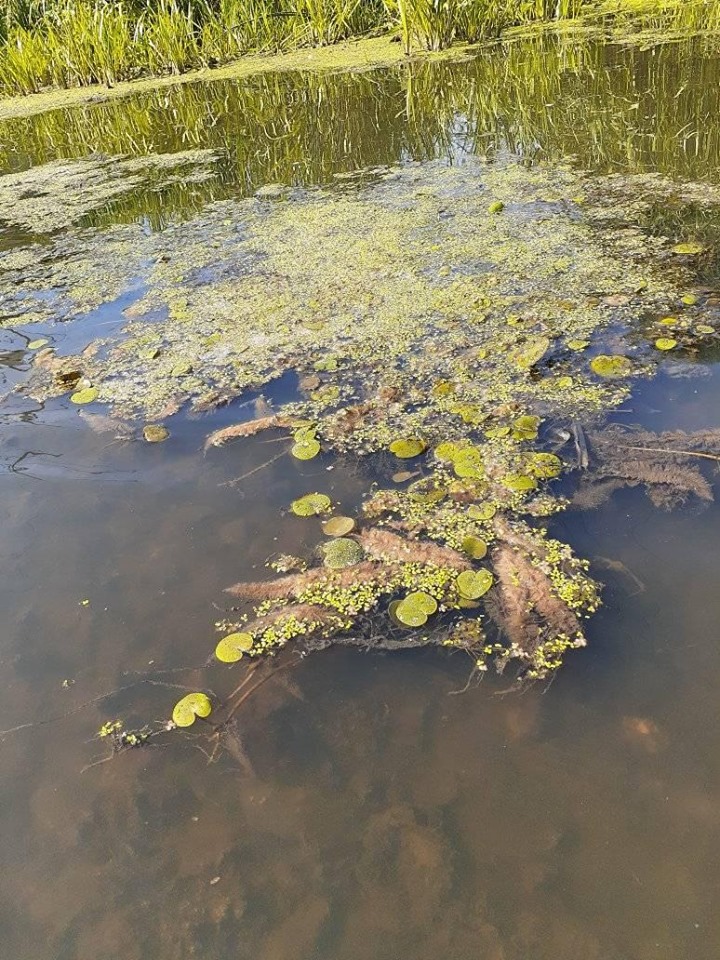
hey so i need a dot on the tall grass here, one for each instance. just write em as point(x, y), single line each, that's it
point(78, 42)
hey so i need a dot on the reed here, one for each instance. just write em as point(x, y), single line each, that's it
point(76, 42)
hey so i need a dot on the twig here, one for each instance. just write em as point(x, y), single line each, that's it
point(680, 453)
point(232, 483)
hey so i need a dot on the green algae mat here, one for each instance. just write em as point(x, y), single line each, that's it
point(464, 331)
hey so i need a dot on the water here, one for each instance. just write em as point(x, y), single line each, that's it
point(369, 813)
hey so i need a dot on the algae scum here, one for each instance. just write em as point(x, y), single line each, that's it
point(461, 330)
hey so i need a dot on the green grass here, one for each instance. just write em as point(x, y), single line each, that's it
point(79, 42)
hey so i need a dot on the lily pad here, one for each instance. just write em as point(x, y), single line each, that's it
point(410, 614)
point(190, 707)
point(474, 547)
point(482, 511)
point(231, 648)
point(704, 328)
point(423, 600)
point(86, 395)
point(155, 433)
point(408, 448)
point(578, 344)
point(525, 427)
point(497, 206)
point(306, 450)
point(427, 490)
point(37, 344)
point(519, 482)
point(338, 526)
point(530, 353)
point(342, 552)
point(310, 505)
point(611, 366)
point(688, 249)
point(468, 463)
point(665, 343)
point(473, 584)
point(543, 465)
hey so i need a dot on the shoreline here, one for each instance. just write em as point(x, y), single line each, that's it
point(362, 54)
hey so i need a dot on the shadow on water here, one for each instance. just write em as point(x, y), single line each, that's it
point(366, 814)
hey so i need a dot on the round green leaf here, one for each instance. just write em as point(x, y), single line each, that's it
point(519, 482)
point(665, 343)
point(155, 433)
point(306, 450)
point(338, 526)
point(191, 706)
point(342, 552)
point(410, 614)
point(497, 206)
point(86, 395)
point(231, 648)
point(543, 465)
point(473, 584)
point(36, 344)
point(482, 511)
point(310, 505)
point(474, 547)
point(606, 366)
point(688, 249)
point(408, 448)
point(422, 600)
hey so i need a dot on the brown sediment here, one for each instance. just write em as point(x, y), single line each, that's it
point(297, 583)
point(391, 547)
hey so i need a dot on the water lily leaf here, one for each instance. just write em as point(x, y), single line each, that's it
point(338, 526)
point(519, 482)
point(688, 249)
point(482, 511)
point(525, 427)
point(36, 344)
point(474, 547)
point(181, 369)
point(310, 505)
point(611, 366)
point(497, 206)
point(448, 450)
point(408, 448)
point(231, 648)
point(306, 450)
point(496, 433)
point(422, 600)
point(468, 463)
point(668, 321)
point(155, 433)
point(578, 344)
point(704, 328)
point(402, 475)
point(410, 614)
point(86, 395)
point(473, 584)
point(689, 299)
point(342, 552)
point(665, 343)
point(329, 365)
point(530, 353)
point(191, 706)
point(427, 490)
point(543, 465)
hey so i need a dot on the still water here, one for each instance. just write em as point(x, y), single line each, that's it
point(372, 812)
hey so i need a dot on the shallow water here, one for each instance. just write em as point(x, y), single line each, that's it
point(367, 813)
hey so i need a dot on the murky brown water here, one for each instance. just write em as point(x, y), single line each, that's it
point(370, 814)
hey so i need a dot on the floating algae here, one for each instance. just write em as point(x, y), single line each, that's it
point(418, 327)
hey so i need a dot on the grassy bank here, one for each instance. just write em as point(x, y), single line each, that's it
point(75, 43)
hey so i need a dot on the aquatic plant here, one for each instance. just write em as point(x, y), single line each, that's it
point(79, 42)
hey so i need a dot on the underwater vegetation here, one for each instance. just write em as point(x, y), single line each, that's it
point(463, 331)
point(67, 43)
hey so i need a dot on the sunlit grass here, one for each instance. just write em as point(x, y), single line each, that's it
point(77, 42)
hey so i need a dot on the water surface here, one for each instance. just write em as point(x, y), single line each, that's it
point(367, 813)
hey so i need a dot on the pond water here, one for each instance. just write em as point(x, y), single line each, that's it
point(369, 810)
